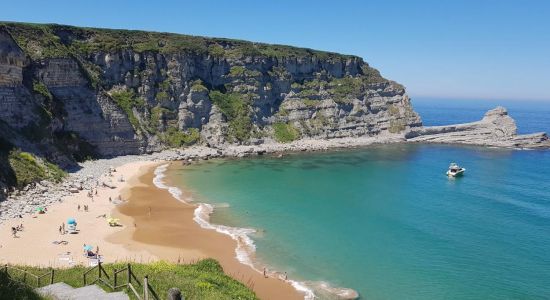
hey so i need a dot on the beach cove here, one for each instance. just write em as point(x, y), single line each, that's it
point(142, 238)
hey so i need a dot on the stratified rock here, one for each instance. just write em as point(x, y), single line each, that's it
point(496, 128)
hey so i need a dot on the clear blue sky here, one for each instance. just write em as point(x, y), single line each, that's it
point(484, 49)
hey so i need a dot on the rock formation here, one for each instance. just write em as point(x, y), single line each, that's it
point(496, 128)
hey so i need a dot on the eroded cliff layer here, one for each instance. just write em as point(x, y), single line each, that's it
point(76, 92)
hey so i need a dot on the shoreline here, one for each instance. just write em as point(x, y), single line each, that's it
point(166, 227)
point(54, 195)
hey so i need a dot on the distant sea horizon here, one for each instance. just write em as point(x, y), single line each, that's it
point(386, 221)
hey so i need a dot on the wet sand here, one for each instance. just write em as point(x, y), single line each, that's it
point(164, 226)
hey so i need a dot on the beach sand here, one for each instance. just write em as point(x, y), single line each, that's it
point(168, 232)
point(34, 246)
point(164, 226)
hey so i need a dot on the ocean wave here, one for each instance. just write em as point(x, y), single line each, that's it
point(245, 245)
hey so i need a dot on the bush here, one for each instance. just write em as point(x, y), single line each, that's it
point(42, 89)
point(29, 169)
point(127, 101)
point(176, 138)
point(237, 112)
point(285, 133)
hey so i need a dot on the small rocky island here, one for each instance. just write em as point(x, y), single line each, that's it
point(68, 94)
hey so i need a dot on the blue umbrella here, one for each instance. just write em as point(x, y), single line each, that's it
point(88, 247)
point(71, 221)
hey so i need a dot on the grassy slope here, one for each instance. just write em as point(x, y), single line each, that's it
point(53, 39)
point(202, 280)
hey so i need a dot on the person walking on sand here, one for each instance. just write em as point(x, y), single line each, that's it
point(265, 272)
point(78, 207)
point(14, 232)
point(60, 232)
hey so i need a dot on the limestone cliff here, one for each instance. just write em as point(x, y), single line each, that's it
point(70, 92)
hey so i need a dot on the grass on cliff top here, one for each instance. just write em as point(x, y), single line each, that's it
point(202, 280)
point(53, 40)
point(28, 168)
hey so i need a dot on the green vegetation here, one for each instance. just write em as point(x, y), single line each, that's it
point(237, 112)
point(52, 40)
point(202, 280)
point(393, 110)
point(396, 126)
point(198, 86)
point(42, 89)
point(176, 138)
point(127, 101)
point(310, 103)
point(28, 168)
point(239, 71)
point(13, 289)
point(216, 50)
point(285, 132)
point(344, 89)
point(162, 96)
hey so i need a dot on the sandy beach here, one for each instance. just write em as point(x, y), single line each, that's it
point(165, 227)
point(154, 226)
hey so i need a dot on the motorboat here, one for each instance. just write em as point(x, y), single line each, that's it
point(455, 170)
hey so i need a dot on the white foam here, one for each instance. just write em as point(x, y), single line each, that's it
point(245, 245)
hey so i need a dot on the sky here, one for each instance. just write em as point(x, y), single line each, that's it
point(462, 49)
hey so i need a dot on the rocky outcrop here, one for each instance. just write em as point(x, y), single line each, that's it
point(496, 128)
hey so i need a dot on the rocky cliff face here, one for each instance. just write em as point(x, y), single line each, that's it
point(69, 92)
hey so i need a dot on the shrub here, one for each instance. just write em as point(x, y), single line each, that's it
point(198, 86)
point(42, 89)
point(216, 50)
point(285, 132)
point(237, 112)
point(29, 169)
point(127, 101)
point(176, 138)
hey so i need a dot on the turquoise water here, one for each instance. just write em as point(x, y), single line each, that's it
point(388, 223)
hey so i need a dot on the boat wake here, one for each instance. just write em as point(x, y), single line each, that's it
point(245, 245)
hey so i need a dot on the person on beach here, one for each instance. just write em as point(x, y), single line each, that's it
point(63, 227)
point(110, 200)
point(96, 192)
point(286, 276)
point(79, 207)
point(265, 272)
point(14, 232)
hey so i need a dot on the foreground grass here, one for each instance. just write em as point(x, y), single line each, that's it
point(202, 280)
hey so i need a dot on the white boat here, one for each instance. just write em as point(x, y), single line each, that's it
point(455, 170)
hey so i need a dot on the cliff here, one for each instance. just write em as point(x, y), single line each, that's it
point(69, 93)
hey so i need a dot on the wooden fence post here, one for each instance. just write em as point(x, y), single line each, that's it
point(145, 288)
point(51, 276)
point(114, 275)
point(129, 274)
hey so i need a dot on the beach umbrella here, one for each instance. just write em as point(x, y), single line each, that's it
point(88, 247)
point(71, 221)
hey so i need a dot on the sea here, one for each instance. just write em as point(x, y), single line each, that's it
point(385, 221)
